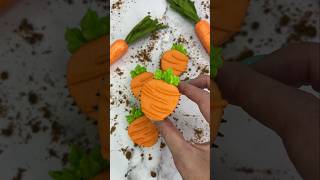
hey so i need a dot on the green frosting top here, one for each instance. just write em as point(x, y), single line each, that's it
point(91, 27)
point(180, 48)
point(216, 61)
point(137, 71)
point(81, 165)
point(135, 113)
point(167, 76)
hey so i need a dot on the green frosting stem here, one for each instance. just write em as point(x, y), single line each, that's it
point(167, 76)
point(137, 71)
point(81, 165)
point(179, 47)
point(135, 113)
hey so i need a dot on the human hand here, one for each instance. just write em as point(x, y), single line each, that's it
point(268, 91)
point(192, 160)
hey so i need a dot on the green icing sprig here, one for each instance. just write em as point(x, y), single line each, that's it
point(167, 76)
point(81, 165)
point(179, 47)
point(216, 61)
point(143, 28)
point(137, 71)
point(135, 113)
point(185, 8)
point(91, 27)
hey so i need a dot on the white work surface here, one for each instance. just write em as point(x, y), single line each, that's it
point(186, 117)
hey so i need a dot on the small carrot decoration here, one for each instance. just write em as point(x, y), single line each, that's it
point(141, 130)
point(160, 96)
point(176, 58)
point(202, 27)
point(139, 77)
point(143, 28)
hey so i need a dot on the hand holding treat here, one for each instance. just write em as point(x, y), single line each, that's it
point(160, 96)
point(143, 28)
point(202, 27)
point(176, 58)
point(139, 77)
point(141, 130)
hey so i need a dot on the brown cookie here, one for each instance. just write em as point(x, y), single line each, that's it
point(87, 66)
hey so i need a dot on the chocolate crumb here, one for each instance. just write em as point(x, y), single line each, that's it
point(153, 174)
point(19, 174)
point(4, 75)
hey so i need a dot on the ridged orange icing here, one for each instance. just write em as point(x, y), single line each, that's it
point(102, 176)
point(217, 106)
point(138, 81)
point(176, 60)
point(158, 99)
point(143, 132)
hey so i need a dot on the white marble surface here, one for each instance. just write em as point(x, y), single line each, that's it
point(187, 113)
point(47, 69)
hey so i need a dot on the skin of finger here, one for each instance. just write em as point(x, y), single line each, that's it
point(295, 65)
point(184, 153)
point(202, 82)
point(199, 96)
point(173, 138)
point(276, 105)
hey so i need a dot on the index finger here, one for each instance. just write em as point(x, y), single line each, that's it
point(202, 82)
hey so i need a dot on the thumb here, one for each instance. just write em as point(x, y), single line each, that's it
point(173, 138)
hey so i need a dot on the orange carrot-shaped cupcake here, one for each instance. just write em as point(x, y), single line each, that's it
point(160, 96)
point(202, 27)
point(141, 130)
point(176, 58)
point(139, 77)
point(143, 28)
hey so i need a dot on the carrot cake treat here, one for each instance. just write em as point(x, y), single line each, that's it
point(85, 68)
point(230, 15)
point(160, 96)
point(141, 130)
point(146, 26)
point(175, 58)
point(139, 77)
point(202, 27)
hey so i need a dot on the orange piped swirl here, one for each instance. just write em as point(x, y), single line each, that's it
point(138, 81)
point(143, 132)
point(176, 60)
point(158, 99)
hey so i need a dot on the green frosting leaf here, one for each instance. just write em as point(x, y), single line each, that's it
point(135, 113)
point(180, 48)
point(143, 28)
point(74, 38)
point(185, 8)
point(167, 76)
point(81, 166)
point(216, 61)
point(92, 27)
point(137, 71)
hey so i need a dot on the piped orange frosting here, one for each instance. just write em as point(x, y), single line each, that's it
point(176, 60)
point(138, 81)
point(143, 132)
point(158, 99)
